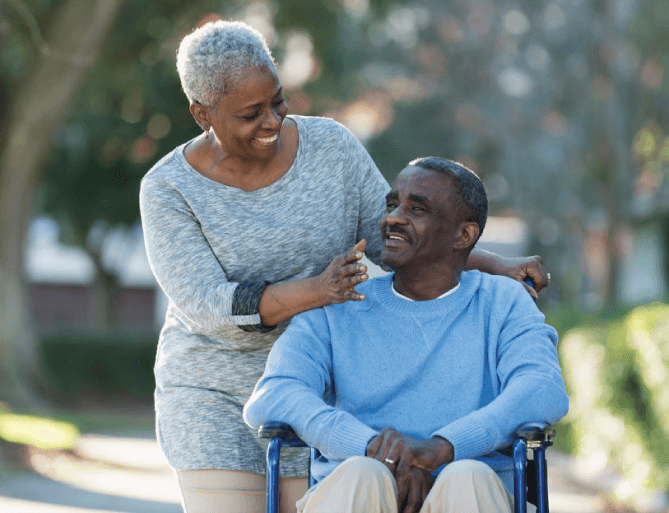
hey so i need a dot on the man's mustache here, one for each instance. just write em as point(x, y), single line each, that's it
point(394, 229)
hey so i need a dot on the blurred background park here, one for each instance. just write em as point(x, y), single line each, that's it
point(561, 106)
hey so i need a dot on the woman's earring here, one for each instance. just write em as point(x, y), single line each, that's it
point(206, 134)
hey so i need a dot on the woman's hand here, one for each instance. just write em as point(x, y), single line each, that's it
point(337, 283)
point(527, 267)
point(281, 301)
point(517, 268)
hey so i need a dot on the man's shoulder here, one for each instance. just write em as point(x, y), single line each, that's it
point(370, 289)
point(494, 282)
point(493, 289)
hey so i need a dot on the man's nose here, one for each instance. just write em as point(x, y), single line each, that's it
point(395, 216)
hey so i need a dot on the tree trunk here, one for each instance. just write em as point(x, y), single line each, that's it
point(104, 295)
point(78, 31)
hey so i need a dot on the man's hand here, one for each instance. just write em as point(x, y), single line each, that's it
point(401, 452)
point(412, 490)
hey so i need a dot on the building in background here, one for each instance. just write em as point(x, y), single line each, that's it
point(61, 290)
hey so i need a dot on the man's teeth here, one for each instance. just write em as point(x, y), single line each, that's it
point(394, 237)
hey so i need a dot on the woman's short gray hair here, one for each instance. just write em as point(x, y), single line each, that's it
point(212, 57)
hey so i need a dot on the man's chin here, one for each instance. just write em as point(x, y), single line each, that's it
point(391, 261)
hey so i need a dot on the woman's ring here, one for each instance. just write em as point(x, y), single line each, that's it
point(389, 461)
point(548, 275)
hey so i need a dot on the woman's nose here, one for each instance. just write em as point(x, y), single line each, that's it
point(273, 120)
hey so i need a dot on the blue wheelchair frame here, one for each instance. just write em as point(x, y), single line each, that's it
point(535, 436)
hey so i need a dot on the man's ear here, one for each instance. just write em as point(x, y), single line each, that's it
point(468, 234)
point(201, 115)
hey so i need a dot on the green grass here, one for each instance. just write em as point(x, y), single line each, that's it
point(38, 431)
point(60, 428)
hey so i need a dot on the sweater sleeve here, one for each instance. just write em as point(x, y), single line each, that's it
point(297, 377)
point(187, 269)
point(530, 380)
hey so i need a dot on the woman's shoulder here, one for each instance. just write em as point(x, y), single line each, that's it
point(168, 167)
point(325, 138)
point(315, 128)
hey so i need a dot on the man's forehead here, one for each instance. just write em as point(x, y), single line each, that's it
point(414, 178)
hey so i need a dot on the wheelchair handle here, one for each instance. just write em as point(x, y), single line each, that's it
point(530, 282)
point(273, 429)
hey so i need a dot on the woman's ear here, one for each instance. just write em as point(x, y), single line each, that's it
point(468, 234)
point(201, 115)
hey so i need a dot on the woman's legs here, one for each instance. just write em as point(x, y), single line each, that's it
point(291, 490)
point(215, 491)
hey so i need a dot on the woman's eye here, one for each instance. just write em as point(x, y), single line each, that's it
point(279, 101)
point(250, 117)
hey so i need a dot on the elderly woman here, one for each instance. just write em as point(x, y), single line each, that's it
point(259, 218)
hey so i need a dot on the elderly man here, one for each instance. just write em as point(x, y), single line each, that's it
point(410, 394)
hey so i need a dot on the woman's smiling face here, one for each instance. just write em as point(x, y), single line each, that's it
point(247, 121)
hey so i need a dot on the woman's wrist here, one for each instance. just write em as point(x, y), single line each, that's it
point(280, 302)
point(486, 262)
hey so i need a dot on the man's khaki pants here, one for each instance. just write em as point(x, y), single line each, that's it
point(365, 485)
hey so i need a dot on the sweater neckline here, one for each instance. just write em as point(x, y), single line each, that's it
point(460, 296)
point(274, 187)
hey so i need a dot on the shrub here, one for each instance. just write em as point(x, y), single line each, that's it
point(79, 365)
point(617, 376)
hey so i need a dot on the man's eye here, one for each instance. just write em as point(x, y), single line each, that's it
point(250, 117)
point(390, 207)
point(417, 209)
point(279, 101)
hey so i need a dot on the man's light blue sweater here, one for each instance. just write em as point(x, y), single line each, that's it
point(470, 367)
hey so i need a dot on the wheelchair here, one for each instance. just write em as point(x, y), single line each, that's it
point(530, 481)
point(530, 476)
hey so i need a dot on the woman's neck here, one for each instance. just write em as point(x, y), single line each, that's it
point(209, 159)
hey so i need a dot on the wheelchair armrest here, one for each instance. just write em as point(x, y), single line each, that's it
point(535, 432)
point(273, 429)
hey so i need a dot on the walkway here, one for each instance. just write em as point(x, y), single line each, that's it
point(128, 474)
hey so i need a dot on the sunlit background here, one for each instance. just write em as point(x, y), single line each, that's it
point(560, 106)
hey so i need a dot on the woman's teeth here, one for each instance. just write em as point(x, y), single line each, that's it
point(268, 140)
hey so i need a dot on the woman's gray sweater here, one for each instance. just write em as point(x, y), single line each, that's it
point(213, 248)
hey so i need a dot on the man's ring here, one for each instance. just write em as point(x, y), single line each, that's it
point(389, 461)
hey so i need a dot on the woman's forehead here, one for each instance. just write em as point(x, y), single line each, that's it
point(253, 86)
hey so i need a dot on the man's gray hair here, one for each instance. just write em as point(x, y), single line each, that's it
point(214, 56)
point(470, 195)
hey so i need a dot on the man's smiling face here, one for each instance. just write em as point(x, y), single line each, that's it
point(421, 221)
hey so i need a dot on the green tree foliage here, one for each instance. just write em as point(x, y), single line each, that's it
point(435, 68)
point(129, 112)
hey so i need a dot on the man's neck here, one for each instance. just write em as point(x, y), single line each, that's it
point(425, 285)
